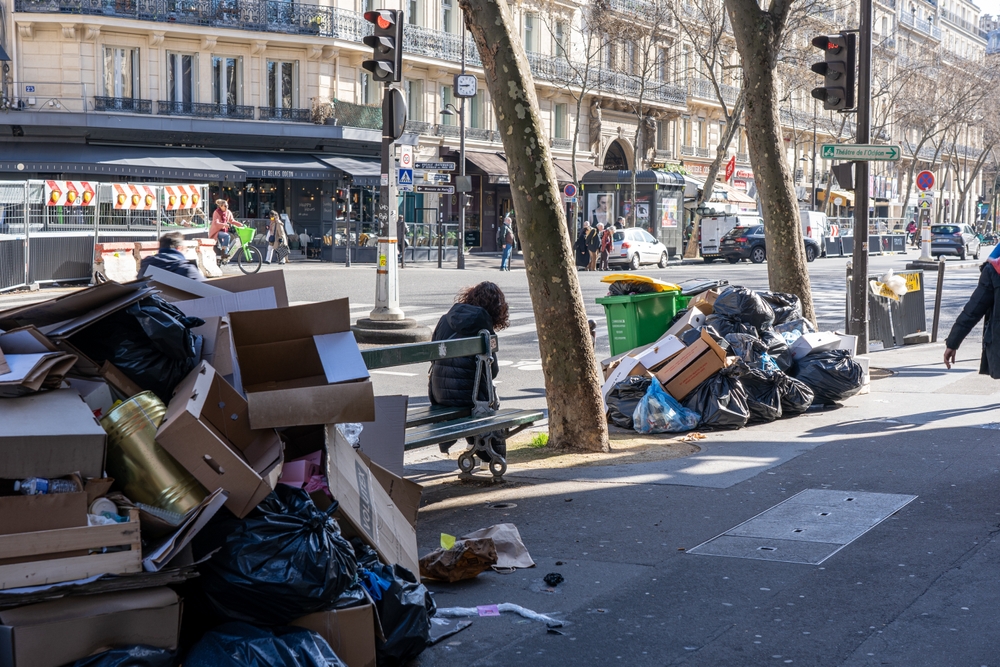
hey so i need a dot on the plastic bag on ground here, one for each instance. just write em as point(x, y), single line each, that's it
point(796, 397)
point(777, 348)
point(785, 306)
point(745, 306)
point(131, 656)
point(623, 399)
point(404, 610)
point(802, 326)
point(659, 412)
point(467, 559)
point(285, 560)
point(721, 400)
point(763, 395)
point(243, 645)
point(833, 375)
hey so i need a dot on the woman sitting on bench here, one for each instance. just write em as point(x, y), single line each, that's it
point(476, 308)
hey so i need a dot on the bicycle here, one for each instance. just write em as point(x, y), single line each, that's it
point(248, 257)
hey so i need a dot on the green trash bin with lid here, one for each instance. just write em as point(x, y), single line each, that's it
point(638, 319)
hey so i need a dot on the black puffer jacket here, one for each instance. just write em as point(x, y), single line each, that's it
point(982, 306)
point(451, 380)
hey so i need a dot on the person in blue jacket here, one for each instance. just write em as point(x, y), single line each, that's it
point(170, 258)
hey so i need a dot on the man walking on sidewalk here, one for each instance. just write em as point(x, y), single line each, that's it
point(594, 245)
point(505, 236)
point(982, 305)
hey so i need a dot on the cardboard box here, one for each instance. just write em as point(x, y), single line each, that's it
point(280, 354)
point(366, 510)
point(384, 439)
point(61, 317)
point(349, 632)
point(808, 343)
point(51, 434)
point(705, 302)
point(659, 352)
point(698, 362)
point(52, 634)
point(175, 288)
point(207, 429)
point(28, 514)
point(33, 362)
point(692, 319)
point(96, 394)
point(405, 493)
point(626, 367)
point(849, 343)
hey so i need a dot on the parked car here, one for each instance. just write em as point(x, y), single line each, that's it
point(635, 246)
point(959, 240)
point(713, 227)
point(748, 243)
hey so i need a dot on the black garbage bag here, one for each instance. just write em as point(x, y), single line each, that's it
point(721, 400)
point(744, 306)
point(763, 395)
point(785, 306)
point(777, 348)
point(404, 609)
point(730, 325)
point(623, 399)
point(833, 375)
point(150, 342)
point(752, 351)
point(796, 397)
point(243, 645)
point(625, 287)
point(800, 325)
point(131, 656)
point(285, 560)
point(691, 335)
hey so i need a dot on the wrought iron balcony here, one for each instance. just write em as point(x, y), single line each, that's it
point(442, 130)
point(562, 144)
point(702, 152)
point(703, 89)
point(418, 126)
point(201, 110)
point(281, 113)
point(481, 134)
point(910, 20)
point(743, 158)
point(663, 154)
point(687, 151)
point(123, 104)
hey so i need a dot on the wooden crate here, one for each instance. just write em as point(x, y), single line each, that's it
point(54, 570)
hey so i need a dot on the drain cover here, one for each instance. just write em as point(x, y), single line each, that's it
point(807, 528)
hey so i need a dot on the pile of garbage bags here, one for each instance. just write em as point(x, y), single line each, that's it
point(761, 380)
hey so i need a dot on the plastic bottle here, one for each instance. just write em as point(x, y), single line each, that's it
point(39, 485)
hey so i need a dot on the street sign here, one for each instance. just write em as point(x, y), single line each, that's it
point(925, 180)
point(406, 157)
point(404, 180)
point(860, 152)
point(436, 177)
point(730, 168)
point(925, 203)
point(569, 190)
point(440, 189)
point(439, 166)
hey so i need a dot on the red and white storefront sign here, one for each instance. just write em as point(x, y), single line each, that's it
point(134, 197)
point(179, 197)
point(69, 193)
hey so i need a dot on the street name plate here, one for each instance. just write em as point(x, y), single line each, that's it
point(442, 166)
point(860, 152)
point(436, 177)
point(441, 189)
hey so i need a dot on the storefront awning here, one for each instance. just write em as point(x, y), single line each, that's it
point(494, 165)
point(657, 177)
point(564, 170)
point(86, 159)
point(846, 198)
point(278, 165)
point(365, 173)
point(727, 193)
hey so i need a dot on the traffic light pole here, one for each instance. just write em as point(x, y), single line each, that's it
point(387, 279)
point(461, 168)
point(858, 324)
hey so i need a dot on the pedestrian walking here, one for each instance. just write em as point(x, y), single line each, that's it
point(594, 245)
point(620, 223)
point(607, 243)
point(911, 233)
point(982, 305)
point(505, 237)
point(582, 254)
point(276, 238)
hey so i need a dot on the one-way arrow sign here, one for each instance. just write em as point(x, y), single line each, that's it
point(860, 152)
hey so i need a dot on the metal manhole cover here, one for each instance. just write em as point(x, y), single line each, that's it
point(807, 528)
point(880, 373)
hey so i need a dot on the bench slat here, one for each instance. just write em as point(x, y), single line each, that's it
point(429, 414)
point(415, 353)
point(431, 434)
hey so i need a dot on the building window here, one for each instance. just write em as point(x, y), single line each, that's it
point(415, 100)
point(446, 99)
point(559, 121)
point(227, 80)
point(686, 132)
point(447, 16)
point(367, 6)
point(529, 33)
point(367, 90)
point(414, 11)
point(121, 72)
point(562, 39)
point(477, 111)
point(702, 135)
point(181, 73)
point(282, 84)
point(663, 64)
point(663, 135)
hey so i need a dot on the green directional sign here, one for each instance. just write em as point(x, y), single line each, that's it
point(860, 152)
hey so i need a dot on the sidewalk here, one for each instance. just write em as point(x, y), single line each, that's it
point(916, 589)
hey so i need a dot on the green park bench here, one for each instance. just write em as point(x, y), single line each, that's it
point(486, 424)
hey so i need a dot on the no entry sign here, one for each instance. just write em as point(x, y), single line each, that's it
point(925, 181)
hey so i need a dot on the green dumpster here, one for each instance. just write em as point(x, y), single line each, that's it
point(638, 319)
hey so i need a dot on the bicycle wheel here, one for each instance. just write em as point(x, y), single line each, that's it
point(249, 259)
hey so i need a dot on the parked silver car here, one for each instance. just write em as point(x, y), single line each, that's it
point(635, 246)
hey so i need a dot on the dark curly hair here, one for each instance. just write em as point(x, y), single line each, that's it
point(489, 297)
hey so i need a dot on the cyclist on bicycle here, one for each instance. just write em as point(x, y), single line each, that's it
point(222, 220)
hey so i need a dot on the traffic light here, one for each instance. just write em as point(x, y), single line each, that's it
point(837, 69)
point(387, 44)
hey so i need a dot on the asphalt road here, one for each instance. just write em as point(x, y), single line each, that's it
point(427, 292)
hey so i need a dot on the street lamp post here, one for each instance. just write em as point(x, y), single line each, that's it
point(451, 110)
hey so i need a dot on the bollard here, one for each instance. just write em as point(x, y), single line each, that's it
point(937, 300)
point(114, 261)
point(207, 261)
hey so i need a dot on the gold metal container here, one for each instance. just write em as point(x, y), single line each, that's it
point(143, 470)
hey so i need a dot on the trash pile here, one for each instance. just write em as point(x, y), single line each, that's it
point(732, 356)
point(180, 482)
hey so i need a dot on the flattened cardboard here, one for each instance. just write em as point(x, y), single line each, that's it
point(340, 357)
point(34, 362)
point(384, 440)
point(262, 280)
point(349, 632)
point(74, 311)
point(160, 555)
point(167, 280)
point(51, 434)
point(280, 369)
point(222, 304)
point(365, 509)
point(705, 302)
point(691, 319)
point(86, 625)
point(659, 352)
point(700, 361)
point(405, 493)
point(207, 429)
point(808, 343)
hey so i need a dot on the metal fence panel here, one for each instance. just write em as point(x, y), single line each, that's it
point(13, 236)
